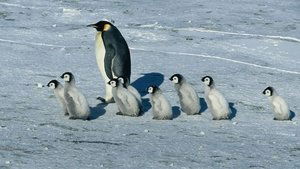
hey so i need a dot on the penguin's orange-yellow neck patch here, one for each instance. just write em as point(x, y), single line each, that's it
point(106, 27)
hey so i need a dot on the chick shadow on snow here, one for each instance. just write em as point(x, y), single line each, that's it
point(143, 82)
point(292, 115)
point(203, 105)
point(176, 111)
point(233, 111)
point(97, 111)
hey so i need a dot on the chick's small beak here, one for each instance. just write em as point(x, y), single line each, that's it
point(62, 76)
point(170, 78)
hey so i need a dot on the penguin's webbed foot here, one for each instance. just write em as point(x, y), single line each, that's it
point(119, 113)
point(101, 99)
point(275, 118)
point(105, 101)
point(72, 118)
point(66, 114)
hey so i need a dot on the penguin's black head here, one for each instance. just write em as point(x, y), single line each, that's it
point(53, 84)
point(207, 80)
point(152, 89)
point(101, 26)
point(176, 78)
point(67, 76)
point(113, 82)
point(268, 91)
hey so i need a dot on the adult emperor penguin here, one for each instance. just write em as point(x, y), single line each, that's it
point(188, 97)
point(161, 107)
point(112, 54)
point(280, 107)
point(58, 89)
point(127, 103)
point(216, 102)
point(76, 102)
point(131, 89)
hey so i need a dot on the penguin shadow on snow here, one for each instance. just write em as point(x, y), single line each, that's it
point(292, 114)
point(97, 111)
point(176, 111)
point(142, 83)
point(233, 111)
point(203, 105)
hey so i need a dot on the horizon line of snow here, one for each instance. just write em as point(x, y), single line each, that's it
point(220, 58)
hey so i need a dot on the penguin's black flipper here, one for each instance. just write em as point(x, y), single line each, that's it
point(108, 60)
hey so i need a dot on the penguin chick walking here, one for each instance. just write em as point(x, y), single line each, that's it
point(127, 103)
point(188, 97)
point(280, 107)
point(131, 89)
point(58, 89)
point(216, 102)
point(161, 107)
point(76, 102)
point(112, 54)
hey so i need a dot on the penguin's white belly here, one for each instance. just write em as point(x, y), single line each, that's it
point(129, 102)
point(60, 97)
point(161, 107)
point(218, 105)
point(81, 106)
point(280, 108)
point(100, 55)
point(189, 100)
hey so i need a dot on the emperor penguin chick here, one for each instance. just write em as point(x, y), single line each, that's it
point(127, 103)
point(131, 89)
point(280, 107)
point(188, 97)
point(58, 89)
point(161, 107)
point(76, 102)
point(216, 102)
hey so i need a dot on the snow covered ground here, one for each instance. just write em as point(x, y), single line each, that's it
point(244, 45)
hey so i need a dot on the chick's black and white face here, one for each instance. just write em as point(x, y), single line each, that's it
point(150, 90)
point(113, 83)
point(206, 81)
point(52, 85)
point(121, 80)
point(67, 78)
point(268, 91)
point(175, 79)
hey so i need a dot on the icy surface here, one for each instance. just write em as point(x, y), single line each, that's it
point(244, 45)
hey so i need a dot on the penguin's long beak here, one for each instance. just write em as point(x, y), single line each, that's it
point(91, 25)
